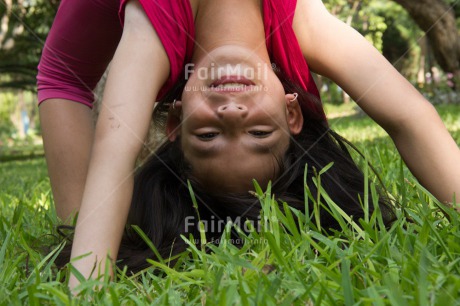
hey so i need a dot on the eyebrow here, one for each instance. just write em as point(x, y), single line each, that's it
point(254, 146)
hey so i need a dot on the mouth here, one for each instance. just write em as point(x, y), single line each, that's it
point(231, 84)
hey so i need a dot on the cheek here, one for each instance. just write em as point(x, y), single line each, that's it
point(274, 86)
point(187, 151)
point(197, 115)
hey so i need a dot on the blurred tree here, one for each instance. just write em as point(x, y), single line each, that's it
point(437, 19)
point(24, 25)
point(365, 17)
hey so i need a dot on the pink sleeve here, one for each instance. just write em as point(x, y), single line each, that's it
point(80, 45)
point(278, 18)
point(174, 25)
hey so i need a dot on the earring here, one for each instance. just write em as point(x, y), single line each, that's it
point(174, 104)
point(295, 97)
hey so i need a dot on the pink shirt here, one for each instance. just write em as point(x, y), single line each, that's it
point(85, 34)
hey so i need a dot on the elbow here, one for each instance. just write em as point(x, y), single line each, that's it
point(421, 117)
point(115, 139)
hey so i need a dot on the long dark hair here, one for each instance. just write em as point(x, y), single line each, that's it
point(162, 202)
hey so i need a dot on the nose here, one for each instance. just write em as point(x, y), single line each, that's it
point(232, 112)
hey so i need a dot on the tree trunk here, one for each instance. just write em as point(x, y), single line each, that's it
point(421, 75)
point(437, 20)
point(4, 21)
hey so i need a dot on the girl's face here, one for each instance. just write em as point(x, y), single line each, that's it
point(235, 121)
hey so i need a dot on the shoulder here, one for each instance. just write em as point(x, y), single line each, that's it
point(312, 23)
point(309, 12)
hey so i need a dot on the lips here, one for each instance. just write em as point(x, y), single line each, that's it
point(231, 83)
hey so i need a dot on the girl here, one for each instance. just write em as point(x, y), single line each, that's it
point(162, 205)
point(221, 128)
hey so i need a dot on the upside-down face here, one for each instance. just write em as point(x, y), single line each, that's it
point(235, 120)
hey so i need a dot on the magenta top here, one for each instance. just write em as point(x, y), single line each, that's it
point(80, 45)
point(282, 43)
point(85, 34)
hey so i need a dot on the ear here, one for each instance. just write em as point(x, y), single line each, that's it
point(293, 114)
point(173, 121)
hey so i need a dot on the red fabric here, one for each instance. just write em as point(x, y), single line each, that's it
point(284, 49)
point(80, 45)
point(85, 34)
point(282, 43)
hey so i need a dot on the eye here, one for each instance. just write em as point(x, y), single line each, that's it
point(207, 136)
point(260, 134)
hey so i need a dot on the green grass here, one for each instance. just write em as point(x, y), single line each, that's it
point(412, 263)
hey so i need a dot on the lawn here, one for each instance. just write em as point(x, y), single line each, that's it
point(414, 262)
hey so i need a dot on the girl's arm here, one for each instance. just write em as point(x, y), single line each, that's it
point(73, 60)
point(139, 68)
point(338, 52)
